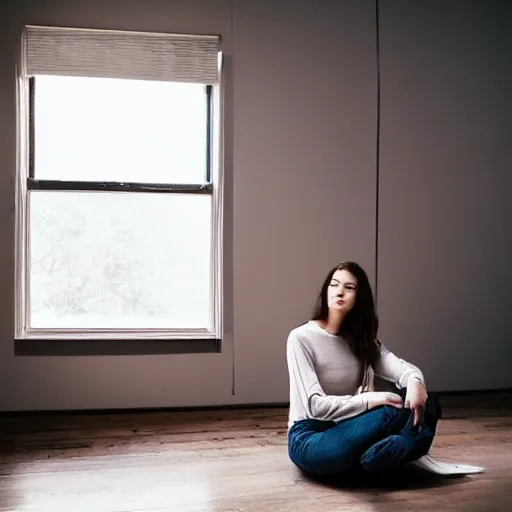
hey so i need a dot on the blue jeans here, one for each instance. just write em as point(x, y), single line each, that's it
point(376, 440)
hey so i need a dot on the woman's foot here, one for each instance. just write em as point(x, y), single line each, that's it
point(445, 468)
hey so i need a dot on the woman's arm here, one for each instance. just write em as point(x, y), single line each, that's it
point(404, 375)
point(396, 370)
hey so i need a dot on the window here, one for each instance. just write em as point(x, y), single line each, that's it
point(119, 200)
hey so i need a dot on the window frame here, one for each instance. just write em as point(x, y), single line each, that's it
point(91, 341)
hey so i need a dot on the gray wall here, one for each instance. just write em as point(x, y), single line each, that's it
point(304, 168)
point(301, 191)
point(445, 242)
point(301, 138)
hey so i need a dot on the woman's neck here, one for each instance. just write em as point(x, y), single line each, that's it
point(333, 322)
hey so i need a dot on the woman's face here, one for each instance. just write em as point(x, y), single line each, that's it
point(342, 291)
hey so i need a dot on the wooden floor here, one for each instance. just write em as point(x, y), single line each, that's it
point(235, 460)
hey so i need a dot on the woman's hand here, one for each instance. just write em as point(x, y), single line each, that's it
point(377, 398)
point(415, 399)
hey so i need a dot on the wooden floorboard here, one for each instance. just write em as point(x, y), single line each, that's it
point(235, 460)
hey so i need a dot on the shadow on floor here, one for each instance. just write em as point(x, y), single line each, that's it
point(385, 493)
point(408, 478)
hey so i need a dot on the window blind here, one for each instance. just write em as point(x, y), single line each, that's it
point(118, 54)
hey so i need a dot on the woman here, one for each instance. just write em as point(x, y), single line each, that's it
point(337, 422)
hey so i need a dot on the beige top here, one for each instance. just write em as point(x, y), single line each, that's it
point(325, 375)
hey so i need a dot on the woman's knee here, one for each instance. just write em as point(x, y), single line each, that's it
point(433, 407)
point(323, 457)
point(326, 463)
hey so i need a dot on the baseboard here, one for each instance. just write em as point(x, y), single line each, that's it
point(146, 410)
point(220, 407)
point(473, 392)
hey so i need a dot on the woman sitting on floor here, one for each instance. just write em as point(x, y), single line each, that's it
point(337, 422)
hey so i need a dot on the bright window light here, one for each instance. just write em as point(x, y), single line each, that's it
point(119, 260)
point(101, 129)
point(116, 260)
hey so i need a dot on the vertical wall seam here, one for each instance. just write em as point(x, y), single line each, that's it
point(377, 161)
point(232, 135)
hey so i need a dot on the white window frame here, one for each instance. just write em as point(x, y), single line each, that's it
point(23, 331)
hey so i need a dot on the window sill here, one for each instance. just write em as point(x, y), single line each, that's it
point(111, 347)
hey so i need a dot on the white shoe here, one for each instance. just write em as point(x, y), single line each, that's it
point(445, 468)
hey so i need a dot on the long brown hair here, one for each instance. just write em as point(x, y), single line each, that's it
point(360, 326)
